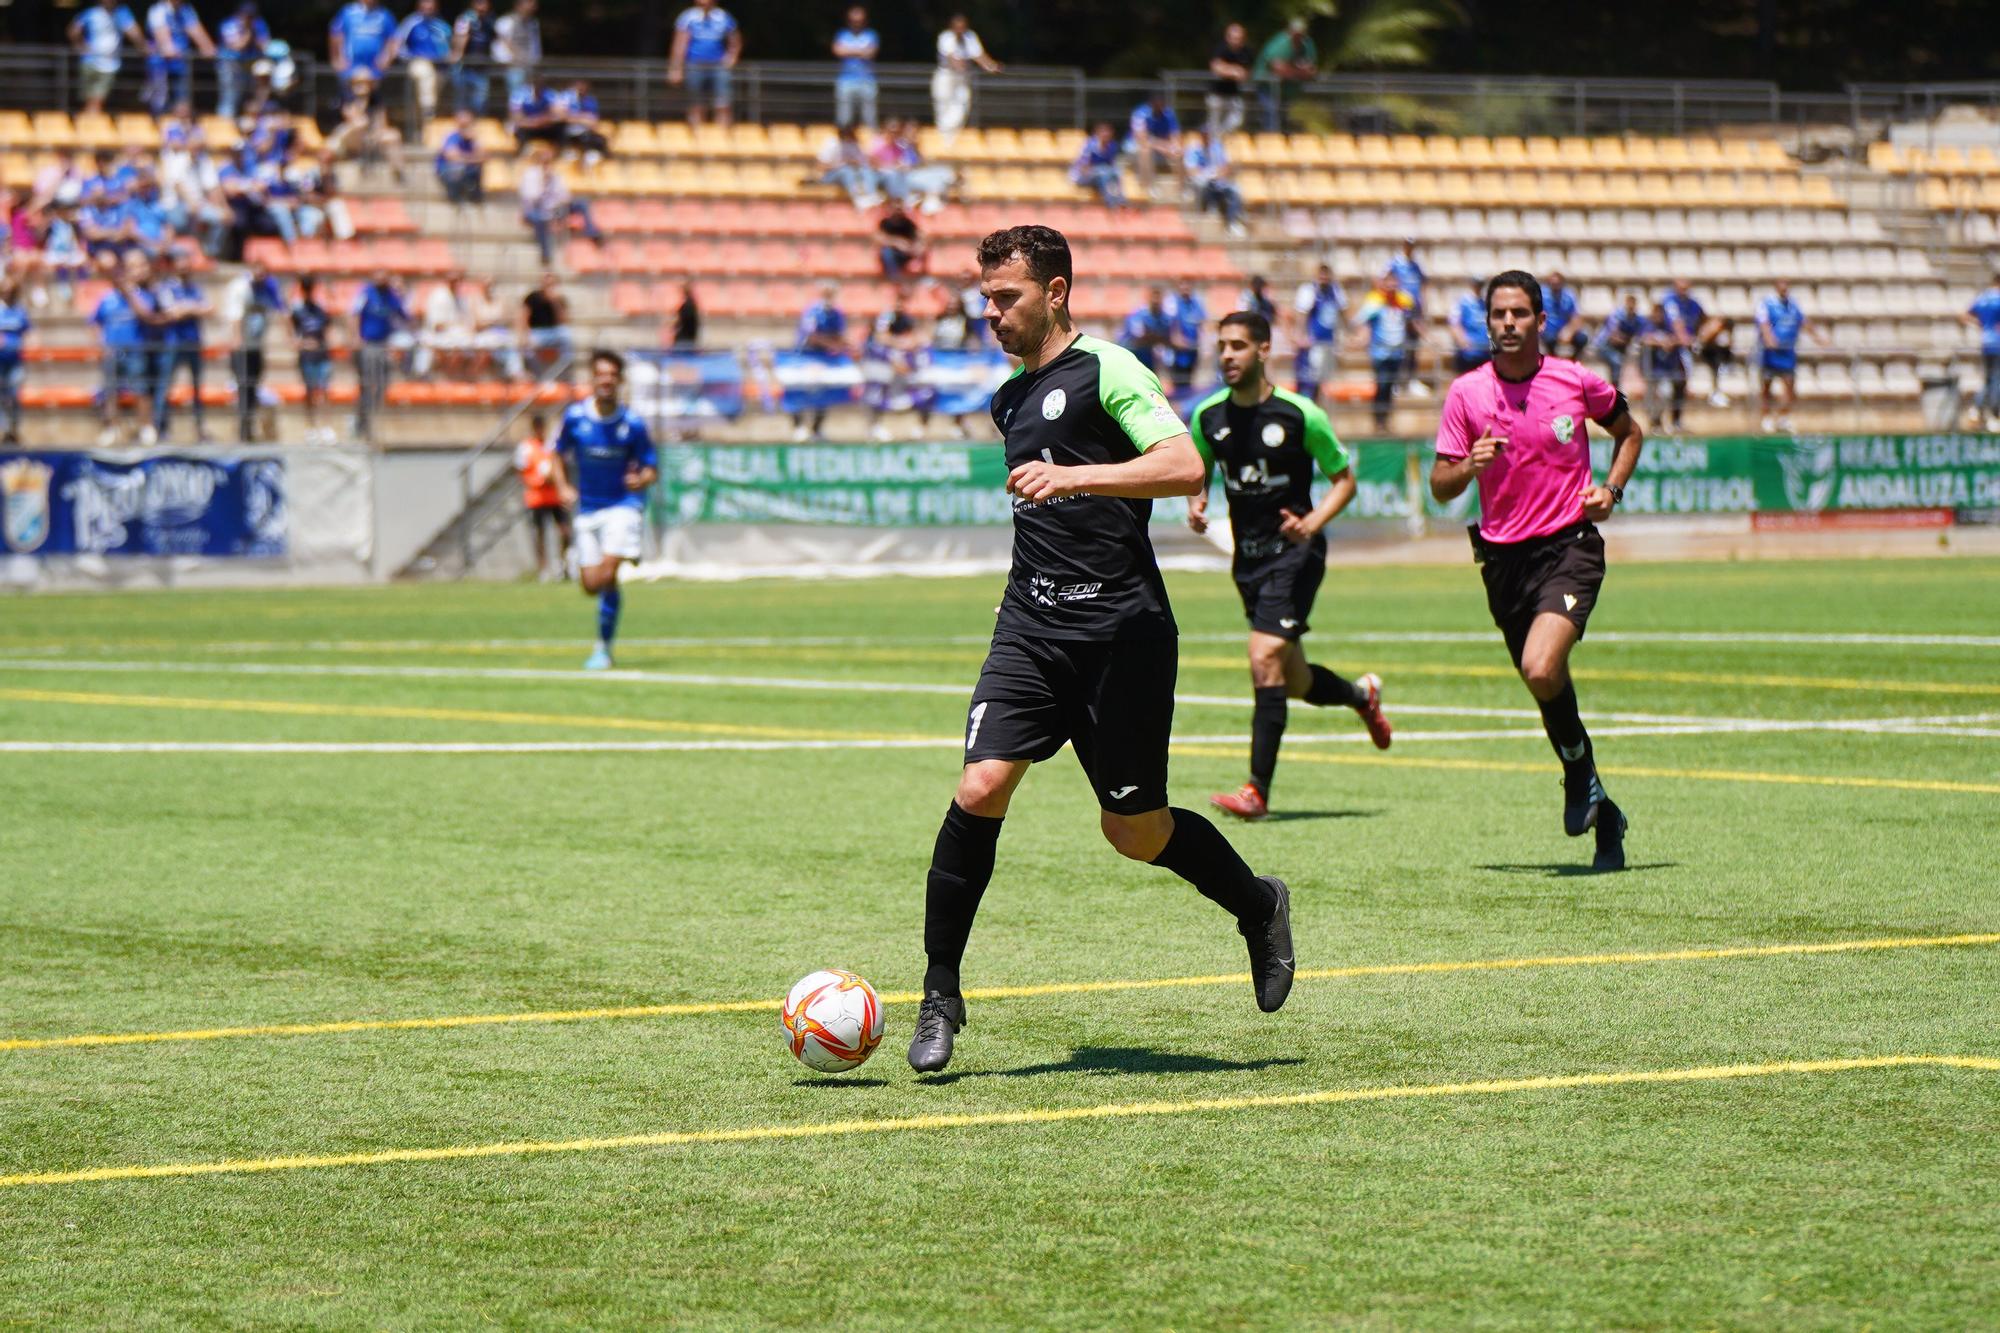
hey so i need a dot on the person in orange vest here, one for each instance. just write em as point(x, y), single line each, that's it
point(535, 461)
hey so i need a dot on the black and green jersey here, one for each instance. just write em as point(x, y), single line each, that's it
point(1266, 453)
point(1083, 564)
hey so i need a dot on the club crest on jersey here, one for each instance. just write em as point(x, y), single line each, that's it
point(1274, 434)
point(1053, 405)
point(1564, 427)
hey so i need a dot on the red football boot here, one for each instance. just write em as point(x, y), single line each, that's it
point(1371, 712)
point(1245, 803)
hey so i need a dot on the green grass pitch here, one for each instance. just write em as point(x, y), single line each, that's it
point(755, 796)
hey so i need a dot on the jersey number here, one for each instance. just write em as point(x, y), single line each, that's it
point(972, 731)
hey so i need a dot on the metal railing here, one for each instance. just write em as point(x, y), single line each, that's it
point(469, 494)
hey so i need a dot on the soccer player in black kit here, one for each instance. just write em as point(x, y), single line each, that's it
point(1085, 649)
point(1267, 443)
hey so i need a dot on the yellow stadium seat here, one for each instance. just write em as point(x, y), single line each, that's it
point(674, 137)
point(1375, 150)
point(748, 139)
point(787, 141)
point(16, 128)
point(1318, 187)
point(1887, 157)
point(98, 131)
point(1003, 145)
point(1642, 153)
point(634, 138)
point(1256, 188)
point(1309, 150)
point(1673, 153)
point(1982, 161)
point(53, 129)
point(1407, 150)
point(137, 131)
point(1342, 150)
point(1544, 152)
point(1273, 149)
point(1043, 146)
point(1444, 150)
point(1706, 153)
point(1607, 153)
point(17, 171)
point(1509, 151)
point(1476, 151)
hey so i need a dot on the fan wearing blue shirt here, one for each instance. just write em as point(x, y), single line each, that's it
point(359, 38)
point(1153, 139)
point(1410, 278)
point(532, 114)
point(461, 163)
point(855, 47)
point(1148, 332)
point(1618, 336)
point(423, 42)
point(99, 33)
point(1190, 318)
point(605, 461)
point(1468, 329)
point(1096, 167)
point(1563, 333)
point(1779, 324)
point(378, 312)
point(243, 38)
point(1322, 308)
point(176, 33)
point(1984, 315)
point(706, 46)
point(125, 318)
point(182, 307)
point(14, 326)
point(823, 332)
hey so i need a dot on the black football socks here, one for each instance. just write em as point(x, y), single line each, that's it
point(1328, 689)
point(961, 866)
point(1564, 725)
point(1199, 854)
point(1267, 729)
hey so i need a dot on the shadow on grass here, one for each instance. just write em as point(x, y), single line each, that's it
point(840, 1081)
point(1279, 816)
point(1122, 1060)
point(1568, 870)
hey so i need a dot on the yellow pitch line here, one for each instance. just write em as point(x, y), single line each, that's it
point(296, 708)
point(978, 1119)
point(1008, 992)
point(1617, 770)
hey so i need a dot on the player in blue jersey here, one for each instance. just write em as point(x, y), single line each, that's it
point(1984, 315)
point(604, 462)
point(1779, 324)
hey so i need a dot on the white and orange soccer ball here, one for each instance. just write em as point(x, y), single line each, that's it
point(833, 1020)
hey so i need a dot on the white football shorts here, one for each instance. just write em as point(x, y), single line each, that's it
point(608, 532)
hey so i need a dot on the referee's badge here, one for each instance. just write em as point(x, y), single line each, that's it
point(1564, 427)
point(1053, 405)
point(1274, 434)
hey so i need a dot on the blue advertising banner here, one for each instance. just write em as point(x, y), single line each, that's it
point(687, 386)
point(87, 504)
point(814, 380)
point(965, 381)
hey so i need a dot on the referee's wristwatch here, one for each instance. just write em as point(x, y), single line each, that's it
point(1617, 494)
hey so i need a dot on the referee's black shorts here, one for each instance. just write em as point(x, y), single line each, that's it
point(1278, 590)
point(1560, 572)
point(1112, 701)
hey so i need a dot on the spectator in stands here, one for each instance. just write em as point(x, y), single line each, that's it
point(249, 304)
point(14, 327)
point(312, 337)
point(576, 105)
point(517, 45)
point(102, 223)
point(1410, 280)
point(685, 335)
point(899, 243)
point(958, 50)
point(249, 212)
point(471, 53)
point(1190, 317)
point(1148, 332)
point(1287, 60)
point(446, 342)
point(64, 259)
point(1984, 315)
point(1617, 336)
point(493, 332)
point(533, 116)
point(1716, 349)
point(1563, 331)
point(182, 307)
point(707, 45)
point(358, 41)
point(98, 34)
point(145, 218)
point(962, 327)
point(1097, 167)
point(1230, 64)
point(1390, 324)
point(534, 462)
point(423, 42)
point(1206, 165)
point(546, 203)
point(896, 355)
point(379, 315)
point(1154, 140)
point(176, 34)
point(124, 318)
point(545, 335)
point(59, 183)
point(1468, 329)
point(842, 162)
point(181, 138)
point(364, 133)
point(823, 332)
point(243, 37)
point(1321, 308)
point(901, 170)
point(1701, 337)
point(461, 163)
point(855, 47)
point(1779, 324)
point(1256, 296)
point(318, 199)
point(1665, 341)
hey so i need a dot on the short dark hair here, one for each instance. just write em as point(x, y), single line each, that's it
point(1514, 277)
point(1044, 251)
point(1253, 324)
point(606, 354)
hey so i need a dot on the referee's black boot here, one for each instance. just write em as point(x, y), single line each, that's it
point(1611, 827)
point(1583, 795)
point(938, 1021)
point(1270, 942)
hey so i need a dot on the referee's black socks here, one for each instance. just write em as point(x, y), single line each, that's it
point(1565, 728)
point(1199, 854)
point(1328, 689)
point(961, 866)
point(1267, 728)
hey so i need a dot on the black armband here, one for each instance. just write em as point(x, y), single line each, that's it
point(1619, 407)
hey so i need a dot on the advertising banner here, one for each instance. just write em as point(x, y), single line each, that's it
point(61, 504)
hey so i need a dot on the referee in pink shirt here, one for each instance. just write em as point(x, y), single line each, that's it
point(1516, 425)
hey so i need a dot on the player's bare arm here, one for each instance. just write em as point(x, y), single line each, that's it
point(1628, 441)
point(1450, 476)
point(1171, 467)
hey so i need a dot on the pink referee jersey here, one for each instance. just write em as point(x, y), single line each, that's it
point(1535, 486)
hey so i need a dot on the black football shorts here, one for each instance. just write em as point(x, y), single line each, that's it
point(1278, 591)
point(1560, 572)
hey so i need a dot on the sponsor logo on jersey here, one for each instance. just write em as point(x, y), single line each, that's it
point(1053, 404)
point(1078, 592)
point(1041, 588)
point(1163, 411)
point(1569, 601)
point(1274, 434)
point(1565, 428)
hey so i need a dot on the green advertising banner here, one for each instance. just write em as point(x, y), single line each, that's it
point(954, 485)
